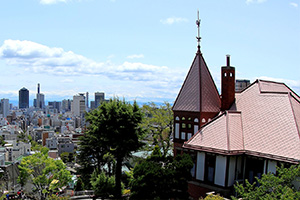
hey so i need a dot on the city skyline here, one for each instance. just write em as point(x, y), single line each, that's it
point(78, 46)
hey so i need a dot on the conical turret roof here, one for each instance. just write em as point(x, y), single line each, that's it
point(198, 92)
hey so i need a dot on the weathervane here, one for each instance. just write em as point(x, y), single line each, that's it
point(198, 26)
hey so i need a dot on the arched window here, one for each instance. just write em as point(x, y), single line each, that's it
point(203, 120)
point(196, 120)
point(177, 118)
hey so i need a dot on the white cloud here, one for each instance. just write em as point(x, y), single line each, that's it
point(294, 4)
point(255, 1)
point(67, 81)
point(46, 61)
point(172, 20)
point(46, 2)
point(135, 56)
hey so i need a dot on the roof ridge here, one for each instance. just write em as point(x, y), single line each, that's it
point(293, 111)
point(186, 77)
point(227, 130)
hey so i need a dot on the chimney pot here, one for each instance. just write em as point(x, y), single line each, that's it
point(228, 60)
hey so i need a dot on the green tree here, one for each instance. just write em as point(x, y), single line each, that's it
point(160, 177)
point(65, 157)
point(46, 174)
point(114, 128)
point(2, 141)
point(103, 185)
point(158, 123)
point(271, 186)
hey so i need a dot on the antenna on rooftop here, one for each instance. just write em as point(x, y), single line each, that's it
point(198, 26)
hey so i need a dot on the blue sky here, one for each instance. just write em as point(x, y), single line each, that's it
point(141, 49)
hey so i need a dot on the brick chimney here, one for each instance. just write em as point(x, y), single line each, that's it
point(228, 85)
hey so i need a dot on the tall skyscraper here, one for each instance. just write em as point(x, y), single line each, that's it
point(55, 105)
point(87, 100)
point(78, 105)
point(40, 98)
point(66, 105)
point(99, 98)
point(4, 107)
point(23, 98)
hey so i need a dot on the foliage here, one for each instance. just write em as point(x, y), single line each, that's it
point(23, 137)
point(79, 184)
point(103, 185)
point(67, 157)
point(113, 133)
point(2, 141)
point(161, 178)
point(54, 197)
point(46, 174)
point(272, 186)
point(213, 197)
point(158, 123)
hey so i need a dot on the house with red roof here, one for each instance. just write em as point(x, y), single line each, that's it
point(234, 136)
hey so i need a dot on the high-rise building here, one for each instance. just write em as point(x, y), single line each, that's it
point(55, 105)
point(4, 107)
point(40, 98)
point(92, 105)
point(78, 105)
point(241, 84)
point(99, 98)
point(66, 105)
point(87, 100)
point(23, 98)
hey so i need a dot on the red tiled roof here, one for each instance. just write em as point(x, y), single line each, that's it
point(264, 121)
point(198, 92)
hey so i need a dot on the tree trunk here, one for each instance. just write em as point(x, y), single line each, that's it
point(118, 176)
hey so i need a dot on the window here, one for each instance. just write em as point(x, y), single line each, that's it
point(196, 120)
point(177, 118)
point(225, 74)
point(210, 164)
point(183, 118)
point(183, 135)
point(177, 130)
point(203, 120)
point(183, 125)
point(189, 135)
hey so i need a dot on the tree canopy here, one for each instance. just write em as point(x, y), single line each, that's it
point(160, 177)
point(114, 129)
point(46, 174)
point(271, 186)
point(158, 123)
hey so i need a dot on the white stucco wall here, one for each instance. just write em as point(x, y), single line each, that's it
point(220, 171)
point(200, 166)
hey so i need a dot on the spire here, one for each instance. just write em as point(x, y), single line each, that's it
point(198, 26)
